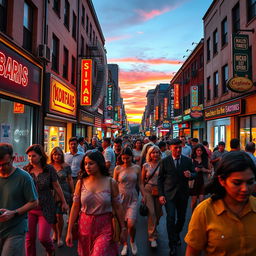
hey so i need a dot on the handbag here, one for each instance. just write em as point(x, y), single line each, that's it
point(115, 222)
point(154, 189)
point(143, 209)
point(76, 225)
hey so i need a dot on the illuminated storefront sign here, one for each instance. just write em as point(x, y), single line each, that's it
point(194, 96)
point(18, 108)
point(157, 113)
point(172, 104)
point(109, 95)
point(176, 96)
point(229, 109)
point(86, 82)
point(165, 107)
point(63, 98)
point(20, 76)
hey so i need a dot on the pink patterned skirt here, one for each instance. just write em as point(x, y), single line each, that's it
point(95, 235)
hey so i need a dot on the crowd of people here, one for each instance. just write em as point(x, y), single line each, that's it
point(99, 182)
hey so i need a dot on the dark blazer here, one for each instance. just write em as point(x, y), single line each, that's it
point(172, 180)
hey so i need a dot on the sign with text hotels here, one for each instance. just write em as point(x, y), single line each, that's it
point(86, 82)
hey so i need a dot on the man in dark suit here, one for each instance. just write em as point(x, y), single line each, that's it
point(175, 171)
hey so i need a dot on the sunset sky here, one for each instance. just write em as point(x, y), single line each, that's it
point(148, 39)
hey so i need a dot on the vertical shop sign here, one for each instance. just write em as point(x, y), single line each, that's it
point(194, 96)
point(241, 80)
point(109, 95)
point(86, 82)
point(165, 107)
point(156, 113)
point(172, 103)
point(119, 113)
point(176, 96)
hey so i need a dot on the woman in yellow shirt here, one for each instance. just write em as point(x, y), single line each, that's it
point(225, 223)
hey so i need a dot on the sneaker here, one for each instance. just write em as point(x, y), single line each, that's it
point(153, 244)
point(134, 248)
point(124, 250)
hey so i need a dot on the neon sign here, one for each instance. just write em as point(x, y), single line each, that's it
point(13, 70)
point(86, 82)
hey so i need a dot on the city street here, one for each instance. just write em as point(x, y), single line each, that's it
point(144, 248)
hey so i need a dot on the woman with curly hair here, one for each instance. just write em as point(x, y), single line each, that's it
point(96, 194)
point(203, 169)
point(45, 179)
point(224, 223)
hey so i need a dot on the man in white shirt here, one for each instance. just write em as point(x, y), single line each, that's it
point(74, 158)
point(109, 155)
point(186, 150)
point(250, 150)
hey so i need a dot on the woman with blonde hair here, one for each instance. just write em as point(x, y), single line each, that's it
point(63, 171)
point(149, 177)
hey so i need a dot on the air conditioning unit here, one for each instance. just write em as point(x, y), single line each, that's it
point(44, 52)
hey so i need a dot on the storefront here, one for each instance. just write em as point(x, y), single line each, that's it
point(86, 122)
point(20, 100)
point(97, 130)
point(60, 114)
point(221, 122)
point(247, 122)
point(175, 131)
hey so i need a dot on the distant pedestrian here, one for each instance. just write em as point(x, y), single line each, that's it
point(235, 145)
point(109, 155)
point(80, 146)
point(117, 149)
point(74, 158)
point(174, 173)
point(186, 150)
point(194, 142)
point(96, 195)
point(224, 223)
point(45, 179)
point(17, 196)
point(149, 176)
point(63, 171)
point(203, 168)
point(127, 176)
point(163, 147)
point(206, 146)
point(137, 149)
point(218, 154)
point(250, 150)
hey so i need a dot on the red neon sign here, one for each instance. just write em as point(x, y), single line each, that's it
point(18, 108)
point(176, 96)
point(13, 70)
point(86, 82)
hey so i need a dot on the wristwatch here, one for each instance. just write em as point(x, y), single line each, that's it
point(16, 213)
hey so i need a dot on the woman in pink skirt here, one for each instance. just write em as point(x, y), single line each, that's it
point(95, 196)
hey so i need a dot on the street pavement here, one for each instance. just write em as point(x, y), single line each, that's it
point(143, 245)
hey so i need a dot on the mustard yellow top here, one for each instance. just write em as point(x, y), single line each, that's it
point(217, 231)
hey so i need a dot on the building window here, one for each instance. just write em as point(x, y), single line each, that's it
point(236, 18)
point(90, 32)
point(73, 73)
point(66, 14)
point(56, 6)
point(93, 37)
point(27, 27)
point(65, 63)
point(82, 46)
point(74, 26)
point(87, 24)
point(208, 49)
point(224, 31)
point(3, 15)
point(215, 42)
point(216, 83)
point(208, 88)
point(251, 9)
point(201, 61)
point(55, 53)
point(224, 78)
point(83, 15)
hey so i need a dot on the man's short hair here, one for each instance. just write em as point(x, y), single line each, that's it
point(176, 142)
point(5, 149)
point(118, 141)
point(80, 139)
point(235, 143)
point(205, 143)
point(73, 139)
point(152, 137)
point(195, 140)
point(222, 143)
point(250, 147)
point(106, 139)
point(161, 144)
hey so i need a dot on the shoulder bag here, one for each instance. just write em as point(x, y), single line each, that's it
point(154, 189)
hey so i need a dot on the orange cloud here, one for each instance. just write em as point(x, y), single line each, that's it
point(151, 14)
point(116, 38)
point(148, 61)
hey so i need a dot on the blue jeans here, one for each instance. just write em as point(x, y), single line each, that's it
point(176, 206)
point(12, 246)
